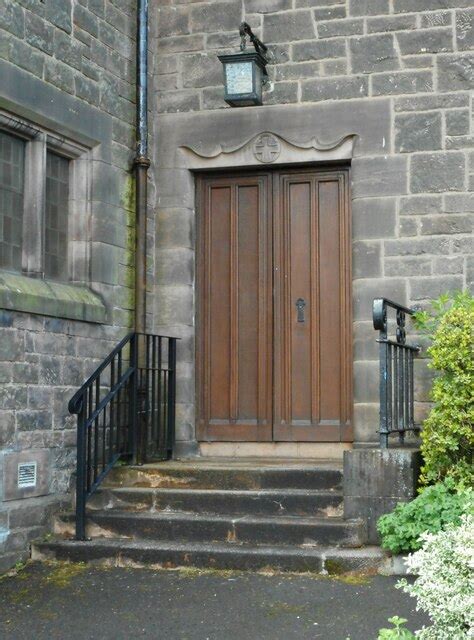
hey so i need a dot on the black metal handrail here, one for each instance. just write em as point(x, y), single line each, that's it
point(396, 371)
point(125, 411)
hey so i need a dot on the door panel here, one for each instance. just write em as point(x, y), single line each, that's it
point(274, 323)
point(235, 317)
point(312, 312)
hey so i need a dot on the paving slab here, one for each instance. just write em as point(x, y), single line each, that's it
point(79, 602)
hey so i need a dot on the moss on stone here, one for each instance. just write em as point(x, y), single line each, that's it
point(62, 573)
point(56, 299)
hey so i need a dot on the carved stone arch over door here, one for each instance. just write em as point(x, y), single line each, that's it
point(267, 148)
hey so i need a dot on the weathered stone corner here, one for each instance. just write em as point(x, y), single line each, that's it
point(376, 480)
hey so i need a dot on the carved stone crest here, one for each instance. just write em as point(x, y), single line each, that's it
point(266, 148)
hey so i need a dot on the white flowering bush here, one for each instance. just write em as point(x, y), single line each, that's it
point(444, 587)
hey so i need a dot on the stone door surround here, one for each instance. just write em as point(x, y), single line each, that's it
point(353, 131)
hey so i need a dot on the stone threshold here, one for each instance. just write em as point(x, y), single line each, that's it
point(287, 450)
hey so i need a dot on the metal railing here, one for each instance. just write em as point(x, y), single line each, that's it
point(125, 411)
point(396, 371)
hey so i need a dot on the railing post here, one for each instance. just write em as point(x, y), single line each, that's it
point(379, 314)
point(133, 422)
point(81, 472)
point(383, 382)
point(171, 394)
point(396, 372)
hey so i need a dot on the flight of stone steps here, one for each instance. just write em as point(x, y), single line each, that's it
point(223, 515)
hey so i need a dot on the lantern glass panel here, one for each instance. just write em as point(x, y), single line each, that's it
point(239, 77)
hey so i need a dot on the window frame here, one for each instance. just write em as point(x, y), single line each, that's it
point(38, 141)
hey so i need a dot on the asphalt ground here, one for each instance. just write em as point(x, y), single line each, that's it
point(79, 602)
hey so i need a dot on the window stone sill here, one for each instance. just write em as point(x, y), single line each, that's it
point(47, 298)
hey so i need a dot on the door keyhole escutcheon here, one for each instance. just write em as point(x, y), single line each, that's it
point(300, 305)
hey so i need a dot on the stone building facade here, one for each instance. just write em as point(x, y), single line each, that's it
point(399, 75)
point(67, 71)
point(391, 79)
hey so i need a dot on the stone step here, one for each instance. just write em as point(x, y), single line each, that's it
point(228, 476)
point(122, 552)
point(298, 502)
point(199, 527)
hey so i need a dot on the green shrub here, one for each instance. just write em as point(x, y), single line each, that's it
point(397, 631)
point(434, 508)
point(444, 586)
point(448, 432)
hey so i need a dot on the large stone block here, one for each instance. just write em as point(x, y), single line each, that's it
point(201, 70)
point(12, 18)
point(334, 88)
point(379, 177)
point(465, 29)
point(329, 13)
point(416, 246)
point(373, 218)
point(175, 266)
point(366, 346)
point(456, 72)
point(86, 20)
point(373, 53)
point(403, 266)
point(172, 21)
point(175, 228)
point(288, 26)
point(428, 5)
point(340, 28)
point(457, 122)
point(12, 345)
point(176, 305)
point(39, 33)
point(176, 101)
point(59, 13)
point(7, 428)
point(389, 23)
point(429, 288)
point(459, 202)
point(437, 172)
point(282, 93)
point(368, 7)
point(425, 41)
point(319, 50)
point(447, 224)
point(375, 480)
point(420, 205)
point(366, 259)
point(418, 132)
point(268, 6)
point(218, 15)
point(402, 82)
point(430, 102)
point(366, 380)
point(366, 290)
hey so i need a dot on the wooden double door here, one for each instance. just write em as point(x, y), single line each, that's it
point(274, 312)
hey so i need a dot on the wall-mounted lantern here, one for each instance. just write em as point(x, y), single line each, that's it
point(245, 72)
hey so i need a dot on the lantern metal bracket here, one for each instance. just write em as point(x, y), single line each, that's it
point(246, 30)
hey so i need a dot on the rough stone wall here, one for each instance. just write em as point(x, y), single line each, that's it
point(76, 59)
point(412, 209)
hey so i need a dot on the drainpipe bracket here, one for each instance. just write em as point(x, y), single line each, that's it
point(142, 161)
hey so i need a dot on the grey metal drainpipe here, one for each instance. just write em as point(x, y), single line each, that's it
point(141, 163)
